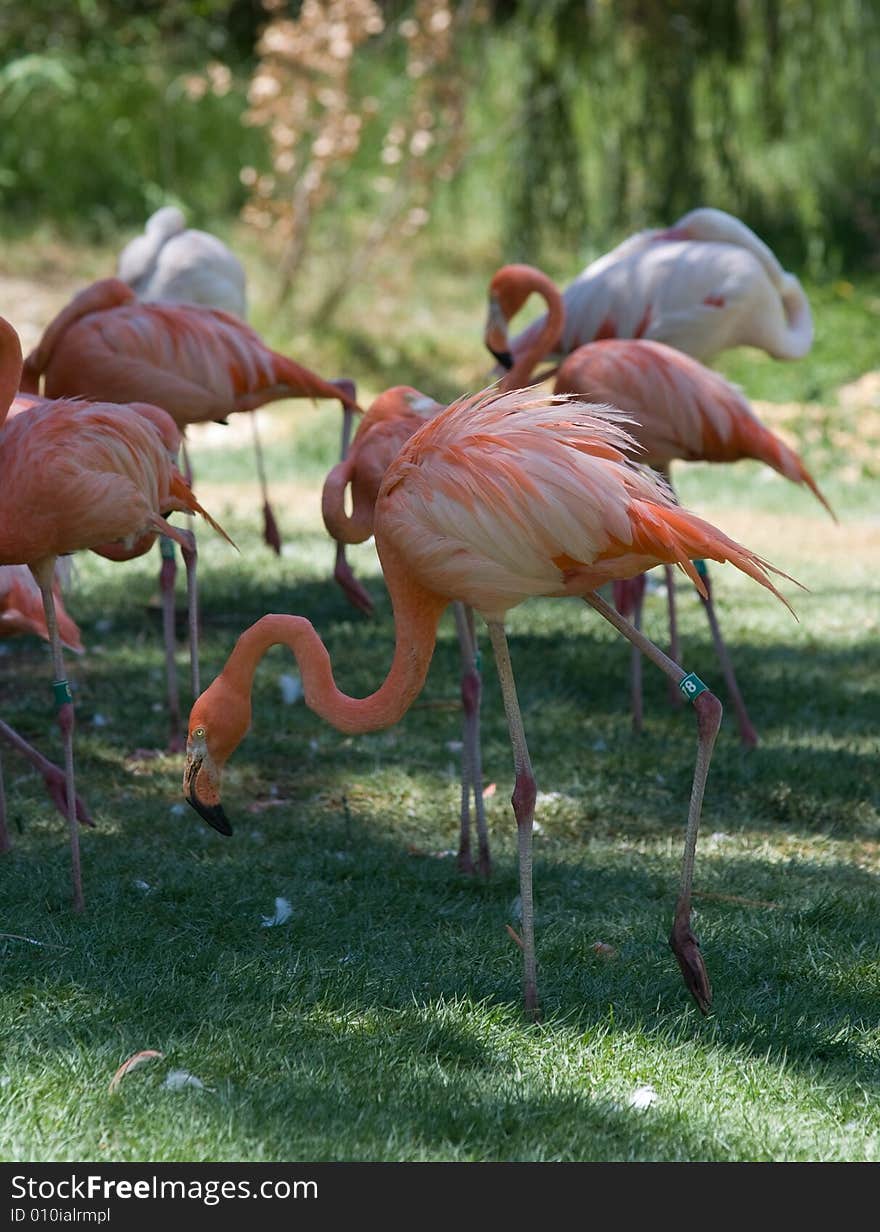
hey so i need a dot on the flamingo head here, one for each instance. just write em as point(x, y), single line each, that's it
point(508, 291)
point(218, 722)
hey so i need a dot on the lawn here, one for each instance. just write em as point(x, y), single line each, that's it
point(382, 1020)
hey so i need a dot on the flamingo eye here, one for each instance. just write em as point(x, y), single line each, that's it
point(198, 731)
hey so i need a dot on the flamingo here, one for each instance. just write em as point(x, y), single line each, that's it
point(176, 264)
point(79, 475)
point(677, 408)
point(197, 363)
point(21, 611)
point(497, 499)
point(704, 285)
point(173, 262)
point(125, 551)
point(390, 421)
point(386, 426)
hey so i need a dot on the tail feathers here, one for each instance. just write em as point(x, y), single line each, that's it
point(304, 383)
point(679, 537)
point(758, 441)
point(807, 478)
point(183, 494)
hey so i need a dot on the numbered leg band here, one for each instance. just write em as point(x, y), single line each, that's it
point(692, 686)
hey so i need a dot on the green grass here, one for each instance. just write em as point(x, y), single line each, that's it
point(383, 1021)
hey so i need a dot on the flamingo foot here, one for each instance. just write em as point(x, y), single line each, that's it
point(57, 789)
point(686, 949)
point(352, 588)
point(271, 533)
point(465, 864)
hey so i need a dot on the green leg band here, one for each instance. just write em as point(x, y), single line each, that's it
point(166, 547)
point(701, 568)
point(62, 694)
point(692, 686)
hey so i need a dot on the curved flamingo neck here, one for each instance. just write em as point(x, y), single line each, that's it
point(546, 336)
point(416, 615)
point(344, 528)
point(10, 366)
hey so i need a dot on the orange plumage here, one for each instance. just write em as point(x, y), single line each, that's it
point(197, 363)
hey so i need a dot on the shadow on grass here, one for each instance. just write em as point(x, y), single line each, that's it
point(355, 999)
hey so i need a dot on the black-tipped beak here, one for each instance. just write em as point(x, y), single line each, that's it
point(212, 813)
point(504, 358)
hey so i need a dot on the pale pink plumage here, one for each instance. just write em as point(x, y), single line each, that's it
point(702, 286)
point(173, 262)
point(78, 475)
point(507, 496)
point(21, 608)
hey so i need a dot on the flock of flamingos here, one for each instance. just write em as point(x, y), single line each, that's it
point(506, 494)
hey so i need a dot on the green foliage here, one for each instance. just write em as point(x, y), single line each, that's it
point(590, 122)
point(765, 109)
point(103, 143)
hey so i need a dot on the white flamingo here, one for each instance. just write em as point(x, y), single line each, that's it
point(171, 261)
point(704, 285)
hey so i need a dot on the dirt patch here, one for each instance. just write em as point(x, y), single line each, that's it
point(30, 304)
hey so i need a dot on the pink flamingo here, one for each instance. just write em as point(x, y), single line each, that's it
point(177, 264)
point(78, 475)
point(704, 285)
point(677, 408)
point(121, 552)
point(21, 612)
point(386, 426)
point(497, 499)
point(197, 363)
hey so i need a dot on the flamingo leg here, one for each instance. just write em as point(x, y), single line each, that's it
point(523, 800)
point(353, 590)
point(343, 574)
point(675, 698)
point(187, 465)
point(472, 768)
point(167, 576)
point(53, 777)
point(747, 734)
point(347, 425)
point(44, 573)
point(635, 665)
point(682, 940)
point(190, 555)
point(5, 840)
point(271, 533)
